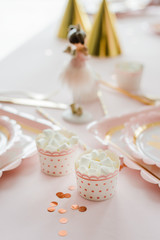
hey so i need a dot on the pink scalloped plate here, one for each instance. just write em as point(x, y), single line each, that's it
point(9, 132)
point(113, 128)
point(142, 136)
point(17, 140)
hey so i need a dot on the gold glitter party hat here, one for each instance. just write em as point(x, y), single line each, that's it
point(74, 14)
point(103, 40)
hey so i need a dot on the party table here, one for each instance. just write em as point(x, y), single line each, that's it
point(25, 192)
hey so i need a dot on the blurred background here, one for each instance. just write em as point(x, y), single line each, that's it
point(20, 20)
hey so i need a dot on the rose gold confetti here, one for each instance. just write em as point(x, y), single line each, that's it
point(63, 220)
point(82, 209)
point(60, 194)
point(67, 195)
point(62, 233)
point(71, 188)
point(53, 204)
point(51, 209)
point(74, 207)
point(61, 210)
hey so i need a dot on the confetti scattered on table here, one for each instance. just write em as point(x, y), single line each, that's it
point(63, 220)
point(71, 188)
point(62, 233)
point(53, 204)
point(51, 209)
point(67, 195)
point(63, 195)
point(74, 207)
point(62, 210)
point(60, 194)
point(82, 209)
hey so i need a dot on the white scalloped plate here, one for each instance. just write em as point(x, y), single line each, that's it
point(142, 136)
point(17, 140)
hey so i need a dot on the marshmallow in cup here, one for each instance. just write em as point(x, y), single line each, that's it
point(97, 172)
point(57, 151)
point(128, 75)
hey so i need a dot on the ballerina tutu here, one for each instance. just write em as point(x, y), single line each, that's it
point(80, 78)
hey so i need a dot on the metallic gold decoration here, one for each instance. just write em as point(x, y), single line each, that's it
point(51, 209)
point(82, 209)
point(71, 188)
point(74, 14)
point(145, 167)
point(5, 131)
point(139, 98)
point(156, 137)
point(67, 195)
point(112, 131)
point(63, 220)
point(48, 117)
point(62, 210)
point(154, 145)
point(75, 207)
point(62, 233)
point(76, 110)
point(103, 40)
point(53, 204)
point(60, 195)
point(104, 108)
point(30, 129)
point(141, 129)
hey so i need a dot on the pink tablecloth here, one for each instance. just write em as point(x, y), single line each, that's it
point(25, 193)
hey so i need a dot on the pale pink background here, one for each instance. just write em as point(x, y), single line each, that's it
point(25, 193)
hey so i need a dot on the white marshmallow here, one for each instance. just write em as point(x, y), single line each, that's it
point(60, 138)
point(94, 154)
point(41, 143)
point(41, 135)
point(48, 133)
point(106, 170)
point(102, 156)
point(83, 169)
point(63, 146)
point(84, 161)
point(53, 142)
point(94, 164)
point(115, 164)
point(50, 148)
point(73, 140)
point(107, 162)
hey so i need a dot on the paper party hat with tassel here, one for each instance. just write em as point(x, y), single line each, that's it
point(103, 40)
point(74, 14)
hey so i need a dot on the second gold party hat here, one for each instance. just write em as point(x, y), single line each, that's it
point(103, 40)
point(74, 14)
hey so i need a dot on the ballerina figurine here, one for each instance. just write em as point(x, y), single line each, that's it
point(77, 74)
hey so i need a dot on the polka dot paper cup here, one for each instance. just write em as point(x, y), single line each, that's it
point(98, 188)
point(58, 163)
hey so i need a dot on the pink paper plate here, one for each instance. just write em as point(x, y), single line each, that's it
point(110, 130)
point(17, 140)
point(142, 136)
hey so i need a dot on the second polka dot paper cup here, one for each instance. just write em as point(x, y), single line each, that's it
point(58, 163)
point(98, 188)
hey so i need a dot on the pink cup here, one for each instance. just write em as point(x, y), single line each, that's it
point(98, 188)
point(128, 75)
point(58, 163)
